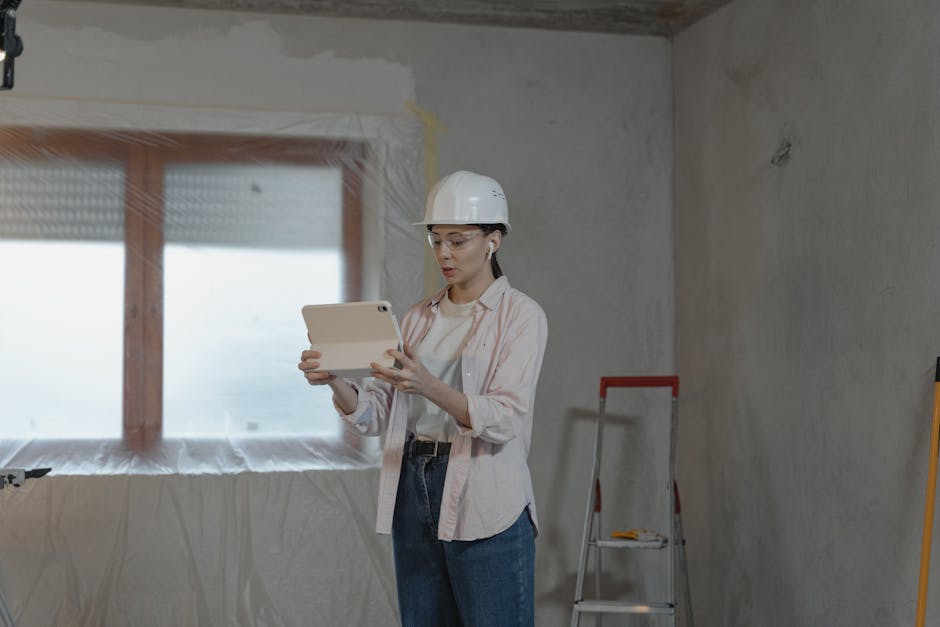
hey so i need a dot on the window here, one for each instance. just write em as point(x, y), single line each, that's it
point(151, 285)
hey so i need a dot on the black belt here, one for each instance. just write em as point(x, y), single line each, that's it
point(427, 447)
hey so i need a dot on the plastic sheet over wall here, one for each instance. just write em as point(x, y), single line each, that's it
point(152, 270)
point(293, 548)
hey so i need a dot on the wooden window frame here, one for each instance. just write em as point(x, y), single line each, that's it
point(144, 155)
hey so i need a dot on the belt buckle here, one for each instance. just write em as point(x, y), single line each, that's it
point(436, 443)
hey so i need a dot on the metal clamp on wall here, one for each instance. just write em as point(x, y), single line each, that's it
point(18, 476)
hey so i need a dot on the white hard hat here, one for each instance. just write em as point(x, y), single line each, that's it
point(466, 198)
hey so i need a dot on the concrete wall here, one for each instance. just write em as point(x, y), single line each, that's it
point(807, 307)
point(576, 126)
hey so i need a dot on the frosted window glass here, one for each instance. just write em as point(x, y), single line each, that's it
point(61, 334)
point(61, 199)
point(233, 330)
point(258, 206)
point(61, 298)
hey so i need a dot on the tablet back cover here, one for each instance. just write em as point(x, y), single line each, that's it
point(350, 336)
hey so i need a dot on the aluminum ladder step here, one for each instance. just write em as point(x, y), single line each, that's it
point(623, 607)
point(630, 544)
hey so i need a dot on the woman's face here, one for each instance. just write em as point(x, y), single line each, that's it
point(462, 252)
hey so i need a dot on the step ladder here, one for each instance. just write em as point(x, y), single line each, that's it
point(672, 544)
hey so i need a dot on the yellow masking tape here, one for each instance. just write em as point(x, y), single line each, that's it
point(432, 126)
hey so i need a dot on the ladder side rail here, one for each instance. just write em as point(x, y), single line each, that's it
point(589, 515)
point(684, 569)
point(673, 566)
point(598, 554)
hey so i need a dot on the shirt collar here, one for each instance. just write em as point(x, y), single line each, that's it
point(489, 298)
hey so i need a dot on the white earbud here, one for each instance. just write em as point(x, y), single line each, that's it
point(491, 251)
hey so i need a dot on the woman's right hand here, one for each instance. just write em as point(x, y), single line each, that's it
point(309, 362)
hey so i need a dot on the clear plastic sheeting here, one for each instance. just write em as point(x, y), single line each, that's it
point(193, 456)
point(152, 274)
point(291, 549)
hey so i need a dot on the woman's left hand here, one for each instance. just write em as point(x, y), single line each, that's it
point(412, 378)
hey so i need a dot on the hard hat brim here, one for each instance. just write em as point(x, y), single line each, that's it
point(458, 222)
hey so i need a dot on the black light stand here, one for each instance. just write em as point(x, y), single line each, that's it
point(5, 613)
point(15, 477)
point(11, 46)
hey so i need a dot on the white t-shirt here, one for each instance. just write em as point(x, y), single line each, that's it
point(440, 353)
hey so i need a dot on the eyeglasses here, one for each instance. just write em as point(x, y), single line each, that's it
point(454, 242)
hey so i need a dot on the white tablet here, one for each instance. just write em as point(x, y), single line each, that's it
point(350, 336)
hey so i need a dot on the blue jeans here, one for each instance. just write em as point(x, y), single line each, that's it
point(480, 583)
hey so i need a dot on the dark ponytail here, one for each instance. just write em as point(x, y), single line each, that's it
point(487, 229)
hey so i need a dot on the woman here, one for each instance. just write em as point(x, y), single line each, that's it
point(455, 490)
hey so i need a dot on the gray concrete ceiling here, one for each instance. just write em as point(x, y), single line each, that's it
point(647, 17)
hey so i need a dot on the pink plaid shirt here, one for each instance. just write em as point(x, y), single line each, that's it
point(488, 484)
